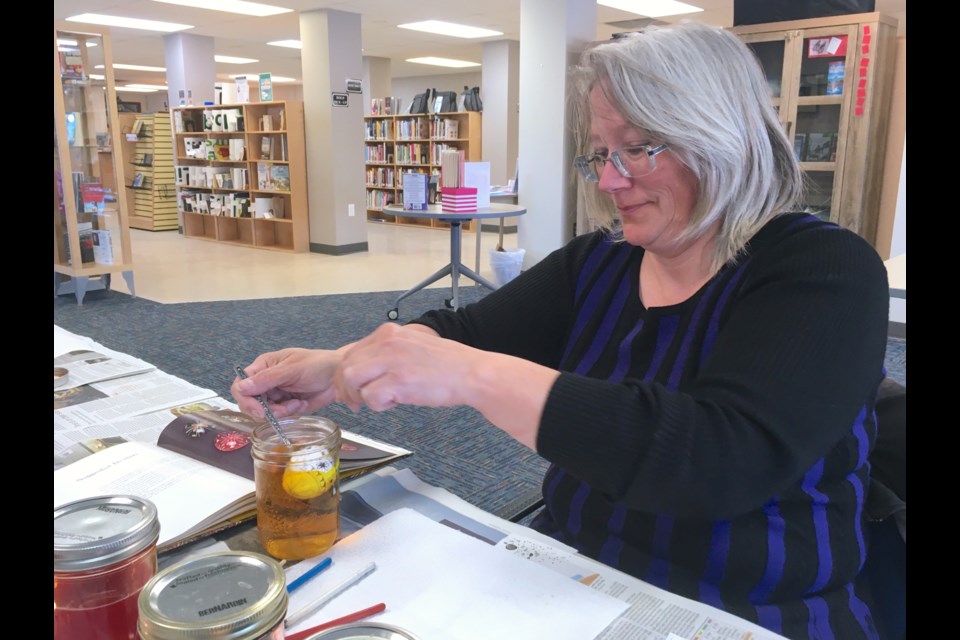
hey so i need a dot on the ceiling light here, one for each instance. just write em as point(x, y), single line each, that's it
point(146, 87)
point(130, 23)
point(97, 76)
point(66, 42)
point(450, 29)
point(444, 62)
point(651, 8)
point(254, 76)
point(234, 60)
point(136, 89)
point(138, 67)
point(232, 6)
point(290, 44)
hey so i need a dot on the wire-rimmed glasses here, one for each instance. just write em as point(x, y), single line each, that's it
point(634, 161)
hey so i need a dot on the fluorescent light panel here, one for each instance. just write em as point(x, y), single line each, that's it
point(136, 90)
point(234, 60)
point(290, 44)
point(450, 29)
point(129, 23)
point(254, 76)
point(138, 67)
point(65, 42)
point(651, 8)
point(144, 87)
point(444, 62)
point(232, 6)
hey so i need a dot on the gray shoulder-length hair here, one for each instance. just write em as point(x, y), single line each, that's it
point(702, 91)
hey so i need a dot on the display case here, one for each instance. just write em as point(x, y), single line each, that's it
point(91, 238)
point(831, 80)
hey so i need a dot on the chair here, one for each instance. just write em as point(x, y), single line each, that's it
point(885, 570)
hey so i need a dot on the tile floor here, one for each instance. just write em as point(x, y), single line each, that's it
point(170, 268)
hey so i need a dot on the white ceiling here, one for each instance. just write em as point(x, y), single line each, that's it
point(243, 36)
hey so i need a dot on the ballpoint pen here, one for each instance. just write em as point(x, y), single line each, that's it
point(320, 566)
point(336, 622)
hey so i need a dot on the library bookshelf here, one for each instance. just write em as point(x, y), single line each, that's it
point(241, 174)
point(397, 144)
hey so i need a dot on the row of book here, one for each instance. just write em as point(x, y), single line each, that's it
point(212, 177)
point(385, 106)
point(224, 150)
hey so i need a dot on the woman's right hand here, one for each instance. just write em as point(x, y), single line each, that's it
point(293, 382)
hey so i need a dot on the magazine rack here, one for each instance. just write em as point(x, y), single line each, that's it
point(91, 236)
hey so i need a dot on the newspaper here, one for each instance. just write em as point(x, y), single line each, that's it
point(72, 442)
point(87, 361)
point(653, 614)
point(82, 412)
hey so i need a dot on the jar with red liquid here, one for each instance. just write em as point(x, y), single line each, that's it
point(228, 595)
point(104, 552)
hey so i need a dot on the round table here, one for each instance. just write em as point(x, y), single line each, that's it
point(455, 268)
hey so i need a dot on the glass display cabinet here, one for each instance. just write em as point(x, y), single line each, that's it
point(91, 237)
point(831, 80)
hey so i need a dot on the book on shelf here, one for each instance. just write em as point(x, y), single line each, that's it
point(280, 177)
point(137, 127)
point(266, 148)
point(146, 160)
point(263, 177)
point(71, 64)
point(198, 470)
point(137, 180)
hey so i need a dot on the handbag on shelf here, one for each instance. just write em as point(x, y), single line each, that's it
point(420, 103)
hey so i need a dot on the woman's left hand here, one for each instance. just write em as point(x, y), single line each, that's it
point(405, 365)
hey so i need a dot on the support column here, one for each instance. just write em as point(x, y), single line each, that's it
point(500, 79)
point(377, 80)
point(190, 67)
point(553, 33)
point(330, 55)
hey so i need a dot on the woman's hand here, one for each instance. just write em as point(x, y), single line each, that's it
point(412, 365)
point(404, 365)
point(292, 381)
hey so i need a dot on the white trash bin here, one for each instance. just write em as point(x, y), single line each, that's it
point(506, 264)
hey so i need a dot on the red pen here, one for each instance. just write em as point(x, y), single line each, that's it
point(350, 617)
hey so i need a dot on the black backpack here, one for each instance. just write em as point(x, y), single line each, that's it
point(421, 103)
point(472, 100)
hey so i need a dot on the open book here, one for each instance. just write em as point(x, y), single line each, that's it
point(199, 487)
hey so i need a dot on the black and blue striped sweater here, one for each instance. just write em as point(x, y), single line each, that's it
point(716, 448)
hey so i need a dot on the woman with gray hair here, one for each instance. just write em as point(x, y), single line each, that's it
point(701, 371)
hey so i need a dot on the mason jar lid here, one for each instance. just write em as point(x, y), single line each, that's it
point(230, 595)
point(364, 631)
point(100, 531)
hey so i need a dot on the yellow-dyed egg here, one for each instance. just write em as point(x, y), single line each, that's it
point(309, 474)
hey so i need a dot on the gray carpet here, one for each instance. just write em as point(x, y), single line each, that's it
point(200, 342)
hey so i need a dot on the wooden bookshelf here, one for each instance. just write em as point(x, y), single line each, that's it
point(257, 150)
point(396, 144)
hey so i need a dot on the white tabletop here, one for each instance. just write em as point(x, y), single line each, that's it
point(897, 275)
point(495, 210)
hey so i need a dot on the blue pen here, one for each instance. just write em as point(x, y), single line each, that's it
point(320, 566)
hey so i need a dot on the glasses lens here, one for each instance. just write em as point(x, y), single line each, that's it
point(636, 161)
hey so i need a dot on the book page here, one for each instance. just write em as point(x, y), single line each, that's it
point(189, 495)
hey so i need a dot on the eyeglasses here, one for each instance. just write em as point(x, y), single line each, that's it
point(632, 162)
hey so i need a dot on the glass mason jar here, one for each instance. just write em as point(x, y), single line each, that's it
point(104, 552)
point(230, 595)
point(298, 487)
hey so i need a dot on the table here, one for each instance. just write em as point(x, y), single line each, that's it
point(897, 275)
point(455, 267)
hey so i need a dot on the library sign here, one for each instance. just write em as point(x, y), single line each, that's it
point(340, 99)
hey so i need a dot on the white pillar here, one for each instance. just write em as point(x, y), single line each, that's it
point(190, 67)
point(500, 78)
point(377, 81)
point(331, 55)
point(553, 33)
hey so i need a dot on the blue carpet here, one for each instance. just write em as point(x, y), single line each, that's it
point(455, 448)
